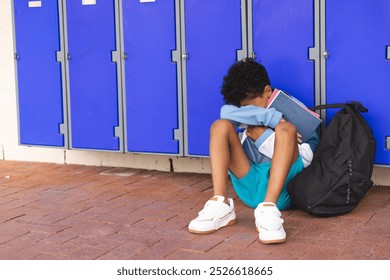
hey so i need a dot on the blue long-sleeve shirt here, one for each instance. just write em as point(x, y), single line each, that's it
point(251, 115)
point(260, 150)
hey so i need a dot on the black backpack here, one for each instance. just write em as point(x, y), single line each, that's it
point(340, 173)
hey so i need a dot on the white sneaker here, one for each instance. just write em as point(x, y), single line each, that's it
point(269, 224)
point(213, 216)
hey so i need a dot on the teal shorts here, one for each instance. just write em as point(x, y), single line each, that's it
point(251, 188)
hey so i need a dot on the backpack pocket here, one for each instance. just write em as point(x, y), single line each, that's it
point(360, 185)
point(342, 195)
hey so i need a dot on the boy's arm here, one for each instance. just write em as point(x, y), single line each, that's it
point(257, 116)
point(251, 115)
point(265, 146)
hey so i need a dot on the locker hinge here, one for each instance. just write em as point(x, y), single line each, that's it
point(68, 56)
point(313, 53)
point(388, 52)
point(118, 131)
point(175, 56)
point(184, 56)
point(16, 56)
point(115, 56)
point(60, 57)
point(177, 134)
point(253, 55)
point(62, 128)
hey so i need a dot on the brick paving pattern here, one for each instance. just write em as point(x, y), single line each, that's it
point(51, 211)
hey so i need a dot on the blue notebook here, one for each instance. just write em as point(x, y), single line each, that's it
point(294, 111)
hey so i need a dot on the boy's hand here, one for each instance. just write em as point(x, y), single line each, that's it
point(299, 138)
point(254, 132)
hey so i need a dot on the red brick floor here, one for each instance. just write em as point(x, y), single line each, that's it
point(50, 211)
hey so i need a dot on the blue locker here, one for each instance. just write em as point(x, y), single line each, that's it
point(39, 74)
point(151, 99)
point(283, 32)
point(213, 37)
point(357, 36)
point(93, 85)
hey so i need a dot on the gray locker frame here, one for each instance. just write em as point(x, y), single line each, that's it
point(16, 57)
point(60, 57)
point(115, 57)
point(183, 59)
point(243, 53)
point(324, 54)
point(313, 53)
point(177, 56)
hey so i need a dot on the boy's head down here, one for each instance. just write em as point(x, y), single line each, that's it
point(245, 80)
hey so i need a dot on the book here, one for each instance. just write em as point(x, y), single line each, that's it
point(294, 111)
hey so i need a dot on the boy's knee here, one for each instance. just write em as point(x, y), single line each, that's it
point(221, 125)
point(285, 128)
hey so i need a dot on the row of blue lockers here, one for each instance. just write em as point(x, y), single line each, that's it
point(145, 75)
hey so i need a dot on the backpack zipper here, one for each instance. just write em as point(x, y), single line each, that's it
point(349, 165)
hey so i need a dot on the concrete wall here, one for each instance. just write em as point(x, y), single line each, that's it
point(10, 150)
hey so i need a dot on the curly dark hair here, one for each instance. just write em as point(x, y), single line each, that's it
point(245, 79)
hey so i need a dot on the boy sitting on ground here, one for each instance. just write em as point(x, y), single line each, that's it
point(260, 169)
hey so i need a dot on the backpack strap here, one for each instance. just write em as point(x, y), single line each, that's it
point(359, 106)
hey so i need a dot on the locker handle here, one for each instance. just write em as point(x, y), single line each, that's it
point(388, 52)
point(60, 57)
point(115, 56)
point(313, 53)
point(387, 142)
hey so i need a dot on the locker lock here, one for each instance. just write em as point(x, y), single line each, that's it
point(325, 54)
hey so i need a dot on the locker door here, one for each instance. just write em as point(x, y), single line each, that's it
point(212, 37)
point(283, 32)
point(357, 36)
point(93, 89)
point(151, 110)
point(39, 74)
